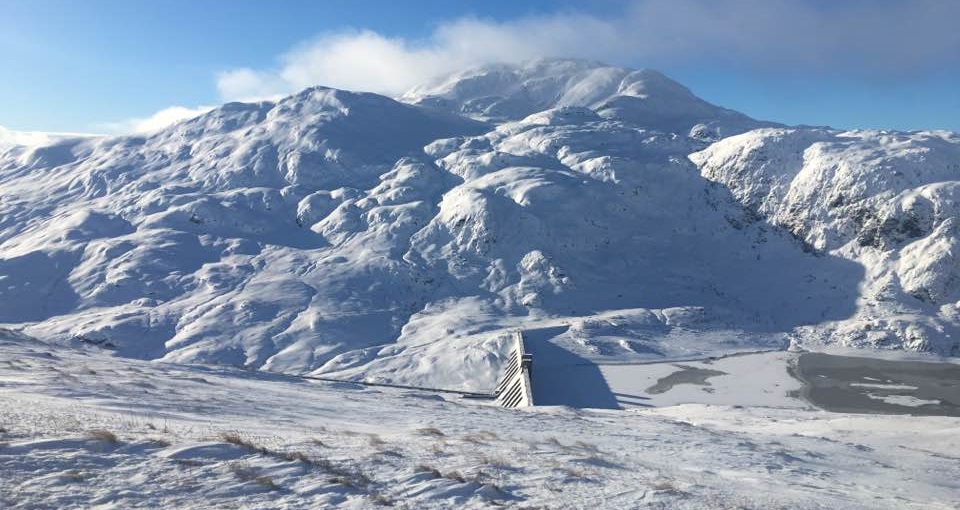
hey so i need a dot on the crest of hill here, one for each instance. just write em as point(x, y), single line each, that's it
point(504, 92)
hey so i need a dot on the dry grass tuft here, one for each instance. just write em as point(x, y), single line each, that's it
point(482, 437)
point(244, 472)
point(664, 485)
point(339, 474)
point(297, 457)
point(430, 431)
point(497, 462)
point(438, 448)
point(434, 472)
point(455, 476)
point(73, 475)
point(235, 438)
point(352, 479)
point(573, 473)
point(102, 435)
point(188, 463)
point(492, 491)
point(389, 453)
point(553, 442)
point(590, 447)
point(381, 500)
point(291, 456)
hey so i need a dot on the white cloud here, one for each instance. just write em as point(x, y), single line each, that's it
point(154, 122)
point(859, 37)
point(248, 85)
point(10, 137)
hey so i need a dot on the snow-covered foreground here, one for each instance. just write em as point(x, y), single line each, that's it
point(85, 430)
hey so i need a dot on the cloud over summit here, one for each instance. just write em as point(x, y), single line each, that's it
point(863, 38)
point(154, 122)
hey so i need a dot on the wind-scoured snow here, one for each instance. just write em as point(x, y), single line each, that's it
point(359, 236)
point(80, 429)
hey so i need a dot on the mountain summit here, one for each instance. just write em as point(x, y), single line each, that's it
point(355, 234)
point(642, 97)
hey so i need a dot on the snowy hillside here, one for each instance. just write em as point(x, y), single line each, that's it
point(888, 200)
point(352, 234)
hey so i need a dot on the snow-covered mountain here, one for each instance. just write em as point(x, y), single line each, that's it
point(888, 200)
point(641, 97)
point(353, 234)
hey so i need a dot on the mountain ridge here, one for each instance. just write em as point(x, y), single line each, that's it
point(351, 234)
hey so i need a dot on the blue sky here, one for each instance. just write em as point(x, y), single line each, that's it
point(102, 65)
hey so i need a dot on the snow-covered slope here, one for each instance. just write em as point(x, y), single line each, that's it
point(888, 200)
point(79, 429)
point(356, 235)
